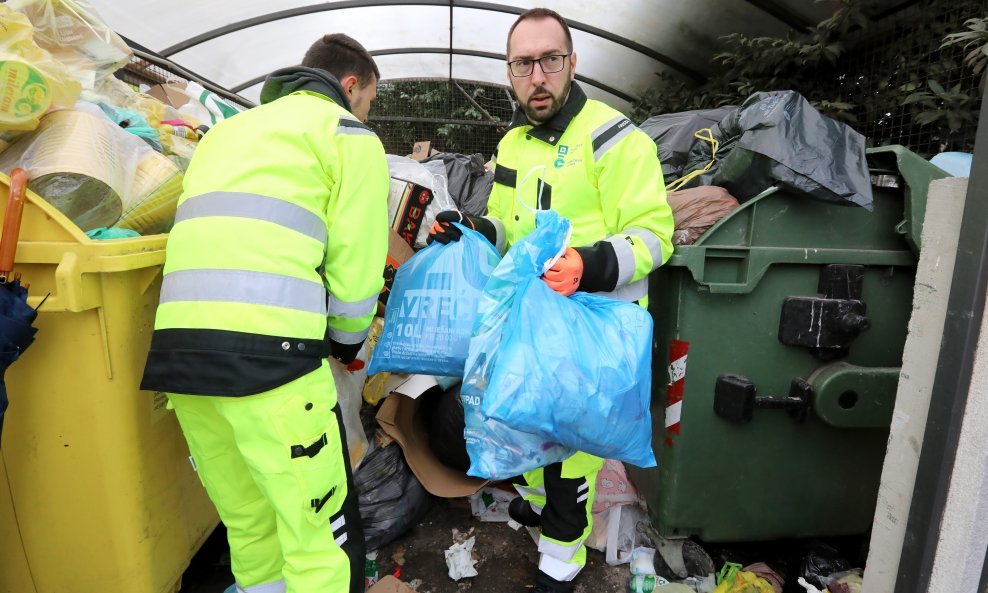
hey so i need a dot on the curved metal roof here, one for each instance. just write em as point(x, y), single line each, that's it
point(621, 44)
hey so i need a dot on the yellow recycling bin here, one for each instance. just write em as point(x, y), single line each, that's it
point(97, 493)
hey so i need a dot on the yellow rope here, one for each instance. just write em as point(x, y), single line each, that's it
point(706, 135)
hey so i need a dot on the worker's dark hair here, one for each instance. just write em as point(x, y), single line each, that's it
point(342, 56)
point(538, 14)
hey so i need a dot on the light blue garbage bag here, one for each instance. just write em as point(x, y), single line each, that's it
point(498, 451)
point(575, 371)
point(432, 308)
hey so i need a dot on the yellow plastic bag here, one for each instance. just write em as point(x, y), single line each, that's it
point(154, 195)
point(31, 81)
point(76, 35)
point(734, 580)
point(97, 174)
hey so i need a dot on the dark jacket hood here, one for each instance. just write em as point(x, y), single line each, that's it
point(299, 78)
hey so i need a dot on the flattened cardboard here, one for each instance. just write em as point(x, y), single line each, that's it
point(416, 385)
point(169, 94)
point(399, 419)
point(389, 584)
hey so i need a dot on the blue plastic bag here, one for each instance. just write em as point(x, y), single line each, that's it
point(577, 370)
point(432, 308)
point(574, 371)
point(498, 451)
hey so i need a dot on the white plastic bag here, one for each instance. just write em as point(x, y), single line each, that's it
point(349, 387)
point(622, 533)
point(432, 176)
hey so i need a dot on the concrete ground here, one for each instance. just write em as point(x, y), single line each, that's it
point(507, 559)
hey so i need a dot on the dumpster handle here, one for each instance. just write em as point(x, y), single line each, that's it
point(12, 222)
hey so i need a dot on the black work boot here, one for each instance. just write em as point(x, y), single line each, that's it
point(546, 584)
point(521, 511)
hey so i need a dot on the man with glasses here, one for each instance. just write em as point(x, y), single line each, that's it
point(601, 173)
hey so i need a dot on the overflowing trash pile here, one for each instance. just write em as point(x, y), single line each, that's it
point(433, 406)
point(109, 156)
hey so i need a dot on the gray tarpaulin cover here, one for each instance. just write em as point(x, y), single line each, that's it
point(779, 138)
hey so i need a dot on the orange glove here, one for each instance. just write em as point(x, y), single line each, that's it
point(564, 276)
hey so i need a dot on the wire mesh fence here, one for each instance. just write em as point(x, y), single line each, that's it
point(454, 115)
point(898, 56)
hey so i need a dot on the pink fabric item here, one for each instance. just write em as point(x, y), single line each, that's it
point(765, 571)
point(614, 488)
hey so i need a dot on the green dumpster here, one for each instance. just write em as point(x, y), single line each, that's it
point(778, 342)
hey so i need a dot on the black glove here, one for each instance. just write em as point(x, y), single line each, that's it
point(600, 267)
point(345, 353)
point(443, 230)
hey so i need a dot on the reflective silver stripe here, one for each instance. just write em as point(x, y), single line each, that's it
point(596, 134)
point(352, 309)
point(651, 241)
point(244, 205)
point(583, 497)
point(348, 338)
point(526, 491)
point(625, 259)
point(583, 487)
point(629, 292)
point(354, 127)
point(498, 234)
point(275, 587)
point(606, 136)
point(341, 540)
point(558, 551)
point(559, 569)
point(335, 525)
point(242, 286)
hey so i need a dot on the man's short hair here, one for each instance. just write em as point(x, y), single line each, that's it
point(538, 14)
point(342, 56)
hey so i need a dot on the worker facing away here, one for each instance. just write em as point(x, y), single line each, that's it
point(274, 263)
point(601, 173)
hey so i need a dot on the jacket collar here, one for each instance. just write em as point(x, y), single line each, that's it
point(299, 78)
point(550, 131)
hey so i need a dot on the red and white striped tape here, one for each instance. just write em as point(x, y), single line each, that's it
point(675, 390)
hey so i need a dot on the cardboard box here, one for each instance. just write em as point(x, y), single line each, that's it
point(389, 584)
point(399, 418)
point(422, 150)
point(170, 93)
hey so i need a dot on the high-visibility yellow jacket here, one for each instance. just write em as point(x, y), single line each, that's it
point(602, 173)
point(279, 244)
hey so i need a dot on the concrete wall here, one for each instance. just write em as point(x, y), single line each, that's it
point(960, 554)
point(919, 363)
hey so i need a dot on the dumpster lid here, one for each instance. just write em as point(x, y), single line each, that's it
point(900, 168)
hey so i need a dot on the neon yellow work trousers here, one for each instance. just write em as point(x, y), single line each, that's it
point(276, 466)
point(563, 494)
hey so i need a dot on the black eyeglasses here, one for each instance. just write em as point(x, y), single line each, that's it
point(549, 64)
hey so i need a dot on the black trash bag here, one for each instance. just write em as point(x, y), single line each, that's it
point(468, 181)
point(779, 138)
point(820, 561)
point(673, 136)
point(390, 497)
point(442, 417)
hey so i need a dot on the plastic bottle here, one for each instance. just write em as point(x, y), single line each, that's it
point(645, 583)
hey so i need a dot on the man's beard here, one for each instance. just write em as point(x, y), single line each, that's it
point(555, 104)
